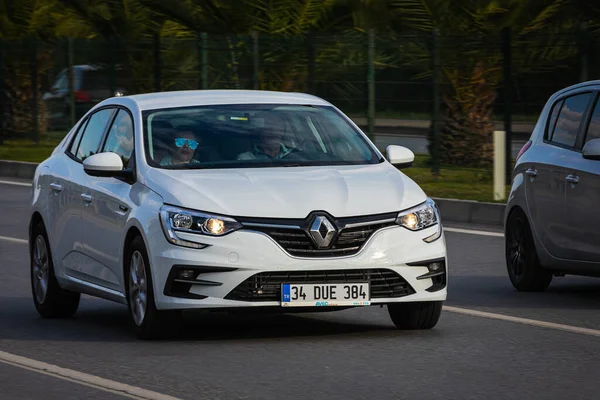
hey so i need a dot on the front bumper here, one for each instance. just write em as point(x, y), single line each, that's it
point(234, 267)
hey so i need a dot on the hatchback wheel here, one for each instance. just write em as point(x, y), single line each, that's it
point(522, 262)
point(415, 315)
point(149, 322)
point(51, 301)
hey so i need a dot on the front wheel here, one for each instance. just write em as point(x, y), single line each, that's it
point(149, 322)
point(415, 315)
point(51, 301)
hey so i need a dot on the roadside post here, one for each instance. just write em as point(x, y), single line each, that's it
point(499, 165)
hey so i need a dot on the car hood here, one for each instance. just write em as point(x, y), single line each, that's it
point(291, 192)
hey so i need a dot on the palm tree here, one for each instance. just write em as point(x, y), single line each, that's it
point(22, 24)
point(470, 49)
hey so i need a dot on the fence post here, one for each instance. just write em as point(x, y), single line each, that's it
point(311, 55)
point(2, 110)
point(34, 89)
point(256, 55)
point(507, 69)
point(71, 79)
point(371, 84)
point(156, 51)
point(204, 59)
point(499, 167)
point(583, 51)
point(435, 118)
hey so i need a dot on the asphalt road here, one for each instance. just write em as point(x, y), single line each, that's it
point(353, 354)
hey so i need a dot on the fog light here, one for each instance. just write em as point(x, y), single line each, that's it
point(186, 274)
point(434, 267)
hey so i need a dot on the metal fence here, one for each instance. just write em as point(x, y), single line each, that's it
point(390, 85)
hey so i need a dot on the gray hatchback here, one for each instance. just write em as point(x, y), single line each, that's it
point(552, 220)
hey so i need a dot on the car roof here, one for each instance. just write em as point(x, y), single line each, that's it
point(150, 101)
point(577, 86)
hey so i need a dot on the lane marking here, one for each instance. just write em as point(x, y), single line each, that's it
point(106, 385)
point(15, 183)
point(524, 321)
point(474, 232)
point(71, 380)
point(14, 240)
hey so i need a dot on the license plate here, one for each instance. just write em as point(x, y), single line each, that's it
point(325, 295)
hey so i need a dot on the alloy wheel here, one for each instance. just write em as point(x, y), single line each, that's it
point(41, 269)
point(138, 293)
point(517, 249)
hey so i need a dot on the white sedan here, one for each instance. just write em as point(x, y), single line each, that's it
point(227, 200)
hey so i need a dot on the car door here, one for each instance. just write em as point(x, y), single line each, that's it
point(109, 203)
point(65, 182)
point(77, 262)
point(547, 172)
point(583, 199)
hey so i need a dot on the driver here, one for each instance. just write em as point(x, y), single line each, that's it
point(270, 144)
point(186, 143)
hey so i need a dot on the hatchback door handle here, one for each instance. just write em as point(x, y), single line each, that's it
point(56, 187)
point(86, 197)
point(572, 179)
point(531, 172)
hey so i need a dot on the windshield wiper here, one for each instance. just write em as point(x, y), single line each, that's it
point(292, 165)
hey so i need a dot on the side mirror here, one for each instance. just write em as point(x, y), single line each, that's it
point(591, 150)
point(400, 156)
point(107, 164)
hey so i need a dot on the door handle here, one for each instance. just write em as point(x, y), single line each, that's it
point(572, 179)
point(531, 172)
point(86, 197)
point(56, 187)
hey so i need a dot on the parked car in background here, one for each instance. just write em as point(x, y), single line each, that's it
point(552, 214)
point(91, 85)
point(232, 200)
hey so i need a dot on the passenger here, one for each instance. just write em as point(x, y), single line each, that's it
point(270, 144)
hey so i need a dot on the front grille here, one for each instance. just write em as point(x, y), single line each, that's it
point(266, 286)
point(298, 243)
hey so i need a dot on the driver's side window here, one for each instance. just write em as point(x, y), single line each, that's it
point(120, 137)
point(92, 136)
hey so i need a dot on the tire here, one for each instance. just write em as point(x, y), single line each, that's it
point(149, 323)
point(51, 301)
point(417, 315)
point(522, 262)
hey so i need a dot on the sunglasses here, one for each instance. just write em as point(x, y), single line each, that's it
point(192, 144)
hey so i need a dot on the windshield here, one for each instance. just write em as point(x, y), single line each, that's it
point(250, 135)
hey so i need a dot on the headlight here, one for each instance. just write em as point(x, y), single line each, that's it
point(174, 219)
point(421, 217)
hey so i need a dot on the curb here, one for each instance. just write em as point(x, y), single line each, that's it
point(469, 211)
point(453, 210)
point(17, 169)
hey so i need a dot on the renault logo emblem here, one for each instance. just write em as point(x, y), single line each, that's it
point(322, 231)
